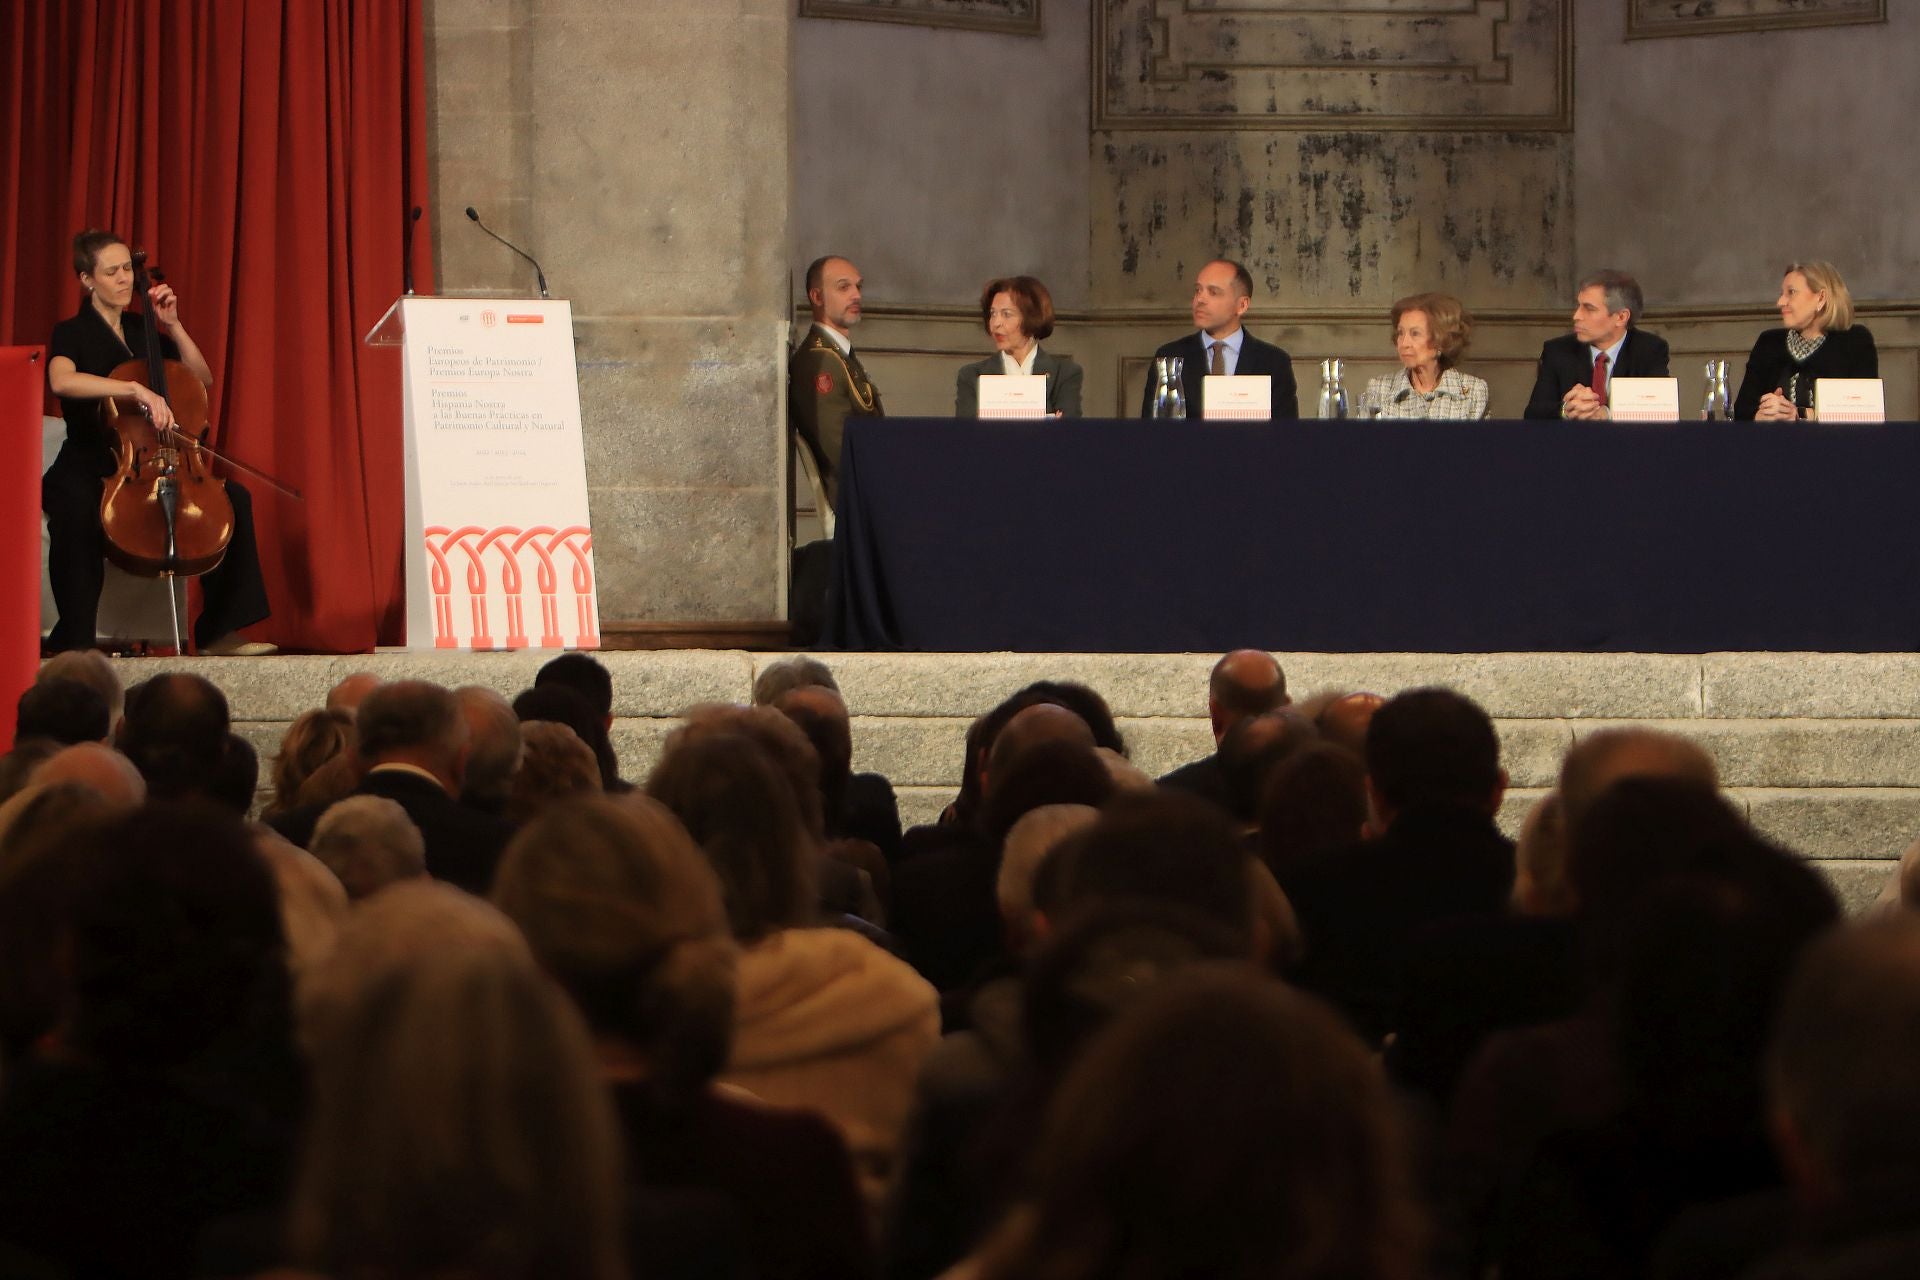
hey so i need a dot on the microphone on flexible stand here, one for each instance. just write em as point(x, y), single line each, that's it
point(538, 274)
point(406, 250)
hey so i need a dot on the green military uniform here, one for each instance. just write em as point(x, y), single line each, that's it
point(824, 389)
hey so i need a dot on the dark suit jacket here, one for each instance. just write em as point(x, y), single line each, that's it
point(1361, 908)
point(1847, 353)
point(1063, 383)
point(463, 845)
point(1256, 357)
point(1565, 363)
point(1205, 777)
point(945, 912)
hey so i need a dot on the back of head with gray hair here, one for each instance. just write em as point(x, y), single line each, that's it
point(409, 716)
point(91, 668)
point(797, 672)
point(1623, 293)
point(1029, 841)
point(368, 842)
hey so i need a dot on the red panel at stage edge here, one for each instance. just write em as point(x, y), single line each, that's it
point(23, 380)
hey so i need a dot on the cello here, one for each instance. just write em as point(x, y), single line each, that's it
point(164, 512)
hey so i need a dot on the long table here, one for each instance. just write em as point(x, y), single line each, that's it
point(1128, 536)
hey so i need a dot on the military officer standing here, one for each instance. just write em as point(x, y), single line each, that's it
point(825, 383)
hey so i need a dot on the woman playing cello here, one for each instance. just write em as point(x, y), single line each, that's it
point(85, 349)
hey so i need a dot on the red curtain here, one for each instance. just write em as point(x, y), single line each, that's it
point(265, 154)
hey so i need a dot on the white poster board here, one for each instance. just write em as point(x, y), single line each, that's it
point(1849, 400)
point(1643, 399)
point(499, 546)
point(1013, 395)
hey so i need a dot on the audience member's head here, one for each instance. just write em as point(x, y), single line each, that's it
point(561, 704)
point(1637, 831)
point(1048, 772)
point(740, 810)
point(368, 842)
point(176, 942)
point(62, 711)
point(89, 667)
point(1126, 775)
point(175, 732)
point(314, 738)
point(1224, 1126)
point(347, 695)
point(1168, 848)
point(1844, 1059)
point(586, 675)
point(43, 831)
point(555, 766)
point(1600, 759)
point(413, 722)
point(493, 746)
point(1432, 747)
point(1315, 802)
point(1029, 841)
point(779, 739)
point(313, 903)
point(458, 1128)
point(18, 765)
point(237, 779)
point(96, 765)
point(1253, 748)
point(621, 908)
point(980, 738)
point(1028, 728)
point(1540, 883)
point(799, 672)
point(1085, 702)
point(1245, 682)
point(819, 713)
point(1344, 718)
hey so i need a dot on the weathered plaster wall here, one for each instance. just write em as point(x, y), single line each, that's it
point(1705, 163)
point(640, 152)
point(1346, 158)
point(939, 159)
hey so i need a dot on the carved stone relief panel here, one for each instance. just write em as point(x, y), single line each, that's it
point(1649, 18)
point(1336, 219)
point(1291, 64)
point(1019, 17)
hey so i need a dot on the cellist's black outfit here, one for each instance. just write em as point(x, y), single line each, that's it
point(235, 595)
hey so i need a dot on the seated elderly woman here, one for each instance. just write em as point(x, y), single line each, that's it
point(1820, 340)
point(1430, 331)
point(1017, 312)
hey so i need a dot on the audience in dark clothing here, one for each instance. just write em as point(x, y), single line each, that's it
point(681, 1044)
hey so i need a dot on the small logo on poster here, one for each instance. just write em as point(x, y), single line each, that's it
point(488, 319)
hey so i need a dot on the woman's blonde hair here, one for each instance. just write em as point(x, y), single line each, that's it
point(1824, 277)
point(314, 738)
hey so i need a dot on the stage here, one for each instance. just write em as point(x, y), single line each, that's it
point(1821, 750)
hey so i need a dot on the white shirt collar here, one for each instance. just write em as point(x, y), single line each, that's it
point(834, 336)
point(1612, 352)
point(1023, 366)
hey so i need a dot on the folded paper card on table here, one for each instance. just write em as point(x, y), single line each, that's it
point(1240, 396)
point(1013, 395)
point(1644, 399)
point(1850, 400)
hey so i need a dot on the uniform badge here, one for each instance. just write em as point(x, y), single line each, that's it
point(823, 384)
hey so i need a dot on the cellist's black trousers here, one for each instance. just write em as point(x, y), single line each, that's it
point(234, 594)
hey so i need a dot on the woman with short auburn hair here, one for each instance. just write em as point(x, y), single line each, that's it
point(1430, 332)
point(1820, 340)
point(1017, 312)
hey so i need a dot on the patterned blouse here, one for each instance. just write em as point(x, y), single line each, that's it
point(1459, 396)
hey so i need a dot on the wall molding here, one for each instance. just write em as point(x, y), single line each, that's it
point(1006, 17)
point(1656, 19)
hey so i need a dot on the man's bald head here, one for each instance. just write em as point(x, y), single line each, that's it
point(1344, 720)
point(350, 692)
point(1042, 722)
point(96, 765)
point(1246, 682)
point(1601, 759)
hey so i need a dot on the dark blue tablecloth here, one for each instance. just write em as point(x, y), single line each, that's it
point(1376, 536)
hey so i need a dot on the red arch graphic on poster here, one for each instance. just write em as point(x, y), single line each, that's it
point(508, 541)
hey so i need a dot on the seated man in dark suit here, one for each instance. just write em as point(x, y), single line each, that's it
point(1246, 682)
point(1221, 294)
point(413, 739)
point(1572, 380)
point(1435, 782)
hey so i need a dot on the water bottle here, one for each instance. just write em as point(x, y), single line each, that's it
point(1169, 393)
point(1716, 407)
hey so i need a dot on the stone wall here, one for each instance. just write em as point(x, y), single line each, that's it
point(640, 152)
point(1822, 751)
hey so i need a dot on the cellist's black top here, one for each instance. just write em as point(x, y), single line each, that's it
point(90, 342)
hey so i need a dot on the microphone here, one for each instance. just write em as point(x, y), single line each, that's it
point(406, 250)
point(538, 274)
